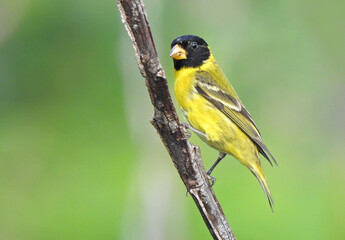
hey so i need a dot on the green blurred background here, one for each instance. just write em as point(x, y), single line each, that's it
point(80, 160)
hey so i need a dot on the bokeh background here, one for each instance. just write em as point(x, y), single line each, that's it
point(80, 160)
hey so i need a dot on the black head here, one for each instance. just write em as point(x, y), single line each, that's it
point(189, 51)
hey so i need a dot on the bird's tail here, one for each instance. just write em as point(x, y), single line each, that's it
point(259, 174)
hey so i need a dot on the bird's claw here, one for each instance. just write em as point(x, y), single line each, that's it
point(185, 126)
point(188, 134)
point(211, 179)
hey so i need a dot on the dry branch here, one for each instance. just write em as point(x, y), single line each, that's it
point(186, 157)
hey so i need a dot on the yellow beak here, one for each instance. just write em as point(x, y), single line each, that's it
point(178, 53)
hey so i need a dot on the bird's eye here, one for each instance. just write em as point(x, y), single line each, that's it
point(194, 45)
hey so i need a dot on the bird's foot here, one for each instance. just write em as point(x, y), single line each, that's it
point(189, 127)
point(211, 179)
point(186, 126)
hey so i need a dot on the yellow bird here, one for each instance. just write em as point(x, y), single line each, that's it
point(213, 109)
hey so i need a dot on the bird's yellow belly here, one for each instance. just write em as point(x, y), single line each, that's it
point(222, 134)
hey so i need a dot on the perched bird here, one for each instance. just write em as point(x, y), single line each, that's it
point(213, 109)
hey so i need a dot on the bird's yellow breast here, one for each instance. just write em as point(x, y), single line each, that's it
point(222, 134)
point(185, 91)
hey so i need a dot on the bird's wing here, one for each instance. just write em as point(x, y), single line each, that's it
point(225, 100)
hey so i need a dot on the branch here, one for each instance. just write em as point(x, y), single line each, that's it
point(185, 156)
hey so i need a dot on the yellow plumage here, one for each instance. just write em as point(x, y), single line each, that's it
point(222, 133)
point(211, 106)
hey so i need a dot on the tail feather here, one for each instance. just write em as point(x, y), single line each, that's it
point(260, 176)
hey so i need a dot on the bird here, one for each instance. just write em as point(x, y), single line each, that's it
point(214, 111)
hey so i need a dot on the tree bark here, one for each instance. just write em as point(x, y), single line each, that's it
point(185, 156)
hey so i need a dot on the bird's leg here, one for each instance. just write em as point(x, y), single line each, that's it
point(213, 179)
point(186, 126)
